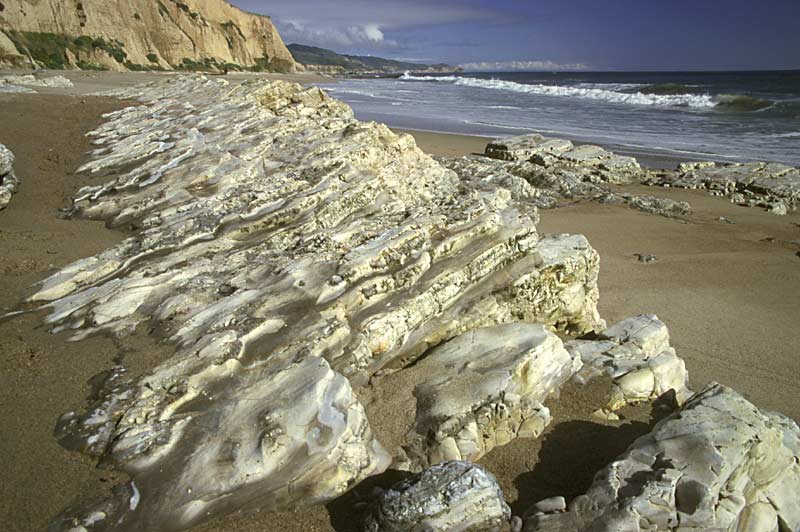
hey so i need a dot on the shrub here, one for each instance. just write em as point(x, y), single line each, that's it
point(153, 58)
point(88, 65)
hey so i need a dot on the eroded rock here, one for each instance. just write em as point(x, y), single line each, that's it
point(274, 231)
point(524, 147)
point(547, 185)
point(554, 153)
point(717, 464)
point(24, 83)
point(448, 497)
point(9, 183)
point(772, 186)
point(637, 356)
point(486, 388)
point(253, 449)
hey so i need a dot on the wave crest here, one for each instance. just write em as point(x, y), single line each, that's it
point(632, 98)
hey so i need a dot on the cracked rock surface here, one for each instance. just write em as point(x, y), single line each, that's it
point(556, 169)
point(717, 464)
point(449, 497)
point(9, 183)
point(288, 252)
point(548, 184)
point(773, 186)
point(24, 83)
point(636, 355)
point(487, 388)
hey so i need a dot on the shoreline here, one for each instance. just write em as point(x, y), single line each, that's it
point(725, 291)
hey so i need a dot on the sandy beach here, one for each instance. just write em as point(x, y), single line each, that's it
point(727, 291)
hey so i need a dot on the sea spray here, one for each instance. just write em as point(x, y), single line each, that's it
point(631, 98)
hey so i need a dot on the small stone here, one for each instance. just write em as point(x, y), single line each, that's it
point(726, 220)
point(605, 415)
point(645, 257)
point(551, 505)
point(516, 524)
point(449, 496)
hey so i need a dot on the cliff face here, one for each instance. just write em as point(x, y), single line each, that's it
point(138, 34)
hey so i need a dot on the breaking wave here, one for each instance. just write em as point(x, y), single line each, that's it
point(632, 98)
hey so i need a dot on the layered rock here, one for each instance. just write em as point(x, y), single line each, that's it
point(137, 34)
point(448, 497)
point(9, 183)
point(773, 186)
point(547, 185)
point(252, 447)
point(273, 233)
point(25, 83)
point(486, 388)
point(546, 169)
point(717, 464)
point(636, 355)
point(562, 154)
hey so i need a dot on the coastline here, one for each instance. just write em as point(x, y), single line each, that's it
point(724, 291)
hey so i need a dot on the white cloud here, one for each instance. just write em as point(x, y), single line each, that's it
point(350, 25)
point(373, 32)
point(502, 66)
point(360, 36)
point(384, 13)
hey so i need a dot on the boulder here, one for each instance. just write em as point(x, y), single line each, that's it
point(636, 355)
point(559, 287)
point(9, 183)
point(449, 497)
point(486, 388)
point(254, 449)
point(524, 147)
point(718, 464)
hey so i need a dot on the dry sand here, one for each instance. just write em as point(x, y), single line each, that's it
point(727, 293)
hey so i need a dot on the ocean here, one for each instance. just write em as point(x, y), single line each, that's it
point(725, 116)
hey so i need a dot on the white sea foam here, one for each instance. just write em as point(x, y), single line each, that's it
point(632, 98)
point(790, 135)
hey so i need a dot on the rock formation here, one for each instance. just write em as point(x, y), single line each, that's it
point(772, 186)
point(449, 497)
point(486, 388)
point(280, 244)
point(636, 355)
point(717, 464)
point(548, 183)
point(9, 183)
point(289, 254)
point(26, 83)
point(549, 152)
point(548, 169)
point(139, 35)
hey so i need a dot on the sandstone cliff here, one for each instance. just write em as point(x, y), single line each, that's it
point(138, 35)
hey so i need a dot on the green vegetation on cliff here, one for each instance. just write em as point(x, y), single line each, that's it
point(312, 55)
point(50, 49)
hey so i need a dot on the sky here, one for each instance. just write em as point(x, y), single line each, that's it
point(550, 35)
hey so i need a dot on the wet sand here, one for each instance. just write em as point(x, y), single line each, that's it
point(728, 294)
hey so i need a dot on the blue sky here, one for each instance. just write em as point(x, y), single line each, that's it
point(551, 35)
